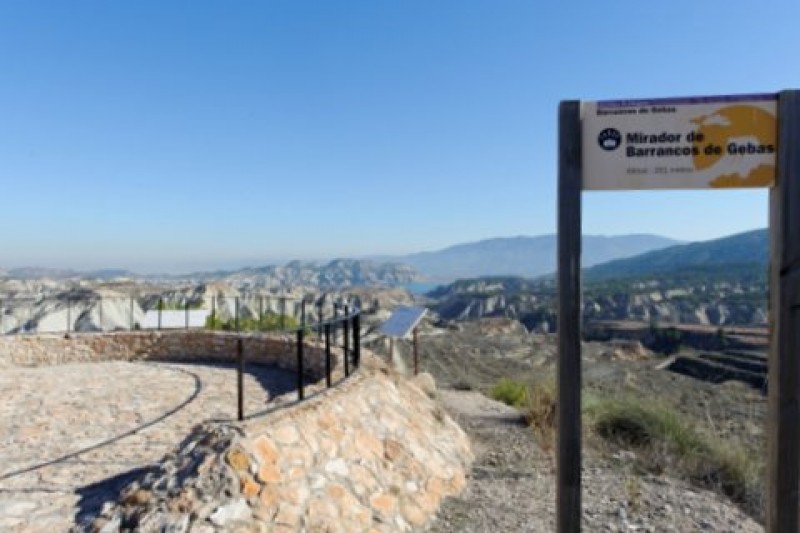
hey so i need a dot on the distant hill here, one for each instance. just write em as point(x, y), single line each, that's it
point(523, 256)
point(743, 253)
point(61, 273)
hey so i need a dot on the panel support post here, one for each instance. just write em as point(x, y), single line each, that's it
point(416, 351)
point(783, 426)
point(568, 497)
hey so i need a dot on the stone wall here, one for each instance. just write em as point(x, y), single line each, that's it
point(374, 454)
point(180, 345)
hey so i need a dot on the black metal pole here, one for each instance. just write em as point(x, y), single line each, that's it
point(160, 307)
point(416, 352)
point(303, 312)
point(300, 393)
point(213, 312)
point(346, 325)
point(335, 321)
point(187, 313)
point(240, 376)
point(356, 341)
point(283, 313)
point(319, 320)
point(236, 312)
point(328, 355)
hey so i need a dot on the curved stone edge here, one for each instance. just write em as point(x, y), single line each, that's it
point(374, 454)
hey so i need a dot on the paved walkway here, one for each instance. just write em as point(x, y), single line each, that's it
point(72, 435)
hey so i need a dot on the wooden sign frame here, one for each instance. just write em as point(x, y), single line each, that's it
point(783, 418)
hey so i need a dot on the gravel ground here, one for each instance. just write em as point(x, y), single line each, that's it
point(512, 484)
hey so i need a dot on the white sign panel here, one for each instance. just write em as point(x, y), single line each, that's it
point(680, 143)
point(403, 321)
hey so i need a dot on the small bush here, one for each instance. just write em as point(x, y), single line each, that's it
point(541, 410)
point(269, 322)
point(510, 392)
point(463, 384)
point(665, 441)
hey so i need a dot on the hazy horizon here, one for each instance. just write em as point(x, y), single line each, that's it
point(188, 266)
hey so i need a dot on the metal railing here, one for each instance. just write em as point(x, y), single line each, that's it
point(338, 319)
point(349, 323)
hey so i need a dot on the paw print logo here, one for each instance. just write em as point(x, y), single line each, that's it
point(609, 139)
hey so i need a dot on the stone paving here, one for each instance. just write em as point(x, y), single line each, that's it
point(72, 435)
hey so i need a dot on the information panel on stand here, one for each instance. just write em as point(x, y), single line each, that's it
point(680, 143)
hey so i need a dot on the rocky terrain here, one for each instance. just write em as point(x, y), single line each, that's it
point(29, 306)
point(657, 300)
point(512, 484)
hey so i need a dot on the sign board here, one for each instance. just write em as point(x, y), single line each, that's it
point(680, 143)
point(403, 321)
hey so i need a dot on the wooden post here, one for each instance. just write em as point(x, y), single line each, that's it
point(568, 497)
point(783, 438)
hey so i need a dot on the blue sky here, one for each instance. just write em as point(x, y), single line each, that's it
point(164, 136)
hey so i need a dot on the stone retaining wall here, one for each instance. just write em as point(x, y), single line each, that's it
point(180, 345)
point(374, 454)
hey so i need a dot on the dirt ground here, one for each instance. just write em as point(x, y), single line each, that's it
point(513, 484)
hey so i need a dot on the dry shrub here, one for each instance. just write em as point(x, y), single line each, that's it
point(665, 441)
point(541, 411)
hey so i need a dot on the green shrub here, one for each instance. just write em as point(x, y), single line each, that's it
point(510, 392)
point(268, 322)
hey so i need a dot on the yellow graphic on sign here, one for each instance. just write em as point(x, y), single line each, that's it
point(737, 131)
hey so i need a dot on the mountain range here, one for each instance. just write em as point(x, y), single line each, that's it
point(738, 253)
point(523, 255)
point(530, 257)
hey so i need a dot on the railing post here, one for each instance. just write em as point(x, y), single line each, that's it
point(328, 355)
point(213, 313)
point(335, 321)
point(240, 376)
point(160, 308)
point(187, 313)
point(346, 343)
point(283, 313)
point(319, 320)
point(236, 312)
point(260, 312)
point(300, 392)
point(303, 312)
point(356, 341)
